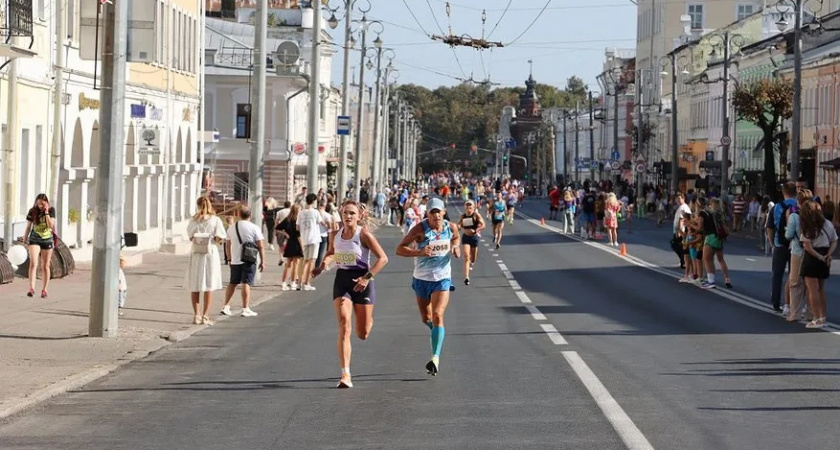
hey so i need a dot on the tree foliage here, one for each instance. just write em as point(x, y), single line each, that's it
point(468, 113)
point(766, 103)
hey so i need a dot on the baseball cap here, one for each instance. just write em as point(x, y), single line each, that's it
point(469, 202)
point(434, 204)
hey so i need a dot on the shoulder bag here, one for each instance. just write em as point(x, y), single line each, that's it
point(250, 252)
point(201, 241)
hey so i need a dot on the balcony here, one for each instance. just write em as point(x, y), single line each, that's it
point(15, 18)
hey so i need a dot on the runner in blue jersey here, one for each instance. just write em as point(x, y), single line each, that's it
point(432, 243)
point(497, 217)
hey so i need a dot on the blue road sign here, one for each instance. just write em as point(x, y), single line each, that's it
point(343, 126)
point(616, 155)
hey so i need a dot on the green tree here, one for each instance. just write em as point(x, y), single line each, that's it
point(766, 103)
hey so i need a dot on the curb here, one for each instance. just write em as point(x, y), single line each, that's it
point(19, 404)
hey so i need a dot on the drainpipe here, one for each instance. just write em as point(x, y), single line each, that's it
point(10, 161)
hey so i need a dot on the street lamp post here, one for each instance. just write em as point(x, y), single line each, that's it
point(364, 24)
point(673, 61)
point(782, 24)
point(591, 139)
point(377, 150)
point(349, 43)
point(727, 41)
point(314, 102)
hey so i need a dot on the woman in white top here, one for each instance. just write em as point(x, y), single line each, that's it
point(819, 239)
point(205, 230)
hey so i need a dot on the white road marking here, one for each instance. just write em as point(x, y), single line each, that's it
point(627, 430)
point(515, 285)
point(750, 260)
point(507, 274)
point(523, 297)
point(499, 261)
point(736, 297)
point(495, 254)
point(535, 313)
point(502, 266)
point(553, 334)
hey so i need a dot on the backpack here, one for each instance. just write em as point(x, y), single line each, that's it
point(780, 231)
point(720, 226)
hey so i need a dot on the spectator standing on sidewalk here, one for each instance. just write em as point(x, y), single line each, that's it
point(281, 238)
point(739, 206)
point(204, 273)
point(714, 229)
point(819, 238)
point(679, 228)
point(269, 216)
point(325, 227)
point(777, 224)
point(243, 233)
point(40, 241)
point(797, 297)
point(292, 250)
point(753, 211)
point(308, 223)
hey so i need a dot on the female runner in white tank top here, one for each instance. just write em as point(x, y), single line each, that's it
point(353, 290)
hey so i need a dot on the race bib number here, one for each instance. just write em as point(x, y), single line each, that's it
point(439, 248)
point(344, 259)
point(468, 222)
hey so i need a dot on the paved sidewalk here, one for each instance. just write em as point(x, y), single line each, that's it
point(44, 345)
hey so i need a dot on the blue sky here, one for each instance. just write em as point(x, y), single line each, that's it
point(568, 39)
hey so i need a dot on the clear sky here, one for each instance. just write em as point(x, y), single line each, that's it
point(568, 38)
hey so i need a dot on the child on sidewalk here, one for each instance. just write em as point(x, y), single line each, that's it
point(123, 287)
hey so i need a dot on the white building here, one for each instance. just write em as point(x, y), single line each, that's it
point(162, 94)
point(227, 96)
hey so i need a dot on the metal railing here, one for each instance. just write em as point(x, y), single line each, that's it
point(15, 17)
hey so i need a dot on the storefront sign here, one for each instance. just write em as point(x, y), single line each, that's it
point(138, 111)
point(87, 103)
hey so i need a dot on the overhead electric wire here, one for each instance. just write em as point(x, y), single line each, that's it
point(415, 18)
point(532, 23)
point(435, 17)
point(500, 19)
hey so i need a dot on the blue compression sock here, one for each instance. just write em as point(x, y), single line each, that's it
point(430, 325)
point(438, 334)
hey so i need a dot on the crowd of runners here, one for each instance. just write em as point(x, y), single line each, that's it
point(796, 229)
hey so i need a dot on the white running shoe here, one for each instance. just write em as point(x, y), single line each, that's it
point(786, 311)
point(247, 312)
point(226, 310)
point(294, 286)
point(685, 280)
point(284, 286)
point(308, 287)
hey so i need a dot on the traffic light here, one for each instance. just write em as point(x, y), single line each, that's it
point(504, 159)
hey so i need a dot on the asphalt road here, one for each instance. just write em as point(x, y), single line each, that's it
point(561, 345)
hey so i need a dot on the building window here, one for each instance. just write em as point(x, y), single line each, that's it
point(695, 11)
point(243, 120)
point(744, 10)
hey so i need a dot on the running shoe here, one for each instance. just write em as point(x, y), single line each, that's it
point(226, 311)
point(786, 310)
point(432, 366)
point(816, 323)
point(498, 246)
point(467, 281)
point(728, 284)
point(707, 285)
point(685, 280)
point(345, 382)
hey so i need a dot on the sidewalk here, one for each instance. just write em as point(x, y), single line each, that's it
point(44, 345)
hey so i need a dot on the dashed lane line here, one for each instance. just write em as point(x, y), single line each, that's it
point(627, 430)
point(535, 313)
point(553, 334)
point(523, 297)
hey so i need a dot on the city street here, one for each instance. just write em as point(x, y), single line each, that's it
point(556, 344)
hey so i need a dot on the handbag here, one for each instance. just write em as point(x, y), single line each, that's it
point(250, 252)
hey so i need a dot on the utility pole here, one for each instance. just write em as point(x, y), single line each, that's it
point(398, 148)
point(58, 96)
point(726, 140)
point(257, 163)
point(615, 117)
point(314, 99)
point(360, 128)
point(591, 140)
point(577, 142)
point(107, 236)
point(11, 145)
point(345, 104)
point(376, 151)
point(674, 118)
point(796, 131)
point(565, 148)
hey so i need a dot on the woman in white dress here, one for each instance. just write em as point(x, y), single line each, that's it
point(205, 231)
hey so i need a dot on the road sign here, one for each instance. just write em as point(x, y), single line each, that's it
point(343, 126)
point(298, 148)
point(615, 154)
point(615, 165)
point(593, 164)
point(710, 155)
point(641, 167)
point(725, 140)
point(640, 158)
